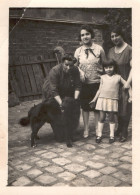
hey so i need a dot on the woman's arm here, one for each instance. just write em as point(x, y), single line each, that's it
point(77, 83)
point(76, 56)
point(103, 56)
point(98, 93)
point(76, 94)
point(96, 97)
point(129, 80)
point(129, 89)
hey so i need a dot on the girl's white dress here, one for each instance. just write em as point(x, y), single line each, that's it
point(106, 104)
point(109, 93)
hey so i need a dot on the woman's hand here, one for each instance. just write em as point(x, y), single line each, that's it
point(126, 86)
point(130, 99)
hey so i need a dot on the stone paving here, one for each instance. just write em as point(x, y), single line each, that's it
point(53, 164)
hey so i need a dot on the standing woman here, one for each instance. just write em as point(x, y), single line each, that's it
point(89, 58)
point(121, 53)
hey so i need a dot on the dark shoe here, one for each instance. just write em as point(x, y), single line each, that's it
point(111, 140)
point(98, 139)
point(123, 139)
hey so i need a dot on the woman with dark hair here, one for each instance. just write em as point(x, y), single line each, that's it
point(121, 53)
point(89, 58)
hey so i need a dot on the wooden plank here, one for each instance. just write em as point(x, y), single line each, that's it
point(38, 76)
point(14, 82)
point(46, 69)
point(51, 63)
point(26, 79)
point(30, 98)
point(31, 94)
point(17, 63)
point(32, 79)
point(20, 80)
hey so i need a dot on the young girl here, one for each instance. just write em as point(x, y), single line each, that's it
point(108, 95)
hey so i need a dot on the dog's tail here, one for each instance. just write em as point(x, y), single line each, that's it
point(24, 121)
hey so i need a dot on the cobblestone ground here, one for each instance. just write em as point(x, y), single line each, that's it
point(53, 164)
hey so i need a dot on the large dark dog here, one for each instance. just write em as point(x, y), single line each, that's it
point(63, 121)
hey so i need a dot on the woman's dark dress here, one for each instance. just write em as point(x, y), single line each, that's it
point(125, 108)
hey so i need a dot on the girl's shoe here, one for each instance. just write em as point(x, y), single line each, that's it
point(98, 139)
point(111, 140)
point(86, 134)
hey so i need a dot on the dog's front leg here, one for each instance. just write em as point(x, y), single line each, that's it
point(33, 140)
point(68, 137)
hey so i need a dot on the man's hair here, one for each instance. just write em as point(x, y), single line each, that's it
point(69, 57)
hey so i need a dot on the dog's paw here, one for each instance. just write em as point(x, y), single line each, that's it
point(69, 145)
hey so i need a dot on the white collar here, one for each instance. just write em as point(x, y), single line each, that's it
point(91, 47)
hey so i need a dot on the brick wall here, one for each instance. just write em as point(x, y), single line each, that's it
point(31, 37)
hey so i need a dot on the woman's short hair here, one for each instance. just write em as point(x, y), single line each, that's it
point(118, 30)
point(69, 57)
point(88, 29)
point(110, 62)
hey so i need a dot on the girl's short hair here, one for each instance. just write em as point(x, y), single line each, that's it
point(69, 57)
point(118, 30)
point(88, 29)
point(111, 62)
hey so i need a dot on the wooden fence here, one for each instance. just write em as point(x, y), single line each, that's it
point(27, 74)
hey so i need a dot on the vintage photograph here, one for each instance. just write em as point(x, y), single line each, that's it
point(70, 97)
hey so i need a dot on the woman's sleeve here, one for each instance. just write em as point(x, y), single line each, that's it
point(101, 83)
point(103, 56)
point(122, 81)
point(130, 53)
point(53, 79)
point(109, 55)
point(76, 55)
point(77, 80)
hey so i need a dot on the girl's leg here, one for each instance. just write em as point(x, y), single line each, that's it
point(100, 126)
point(96, 115)
point(86, 123)
point(112, 125)
point(101, 123)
